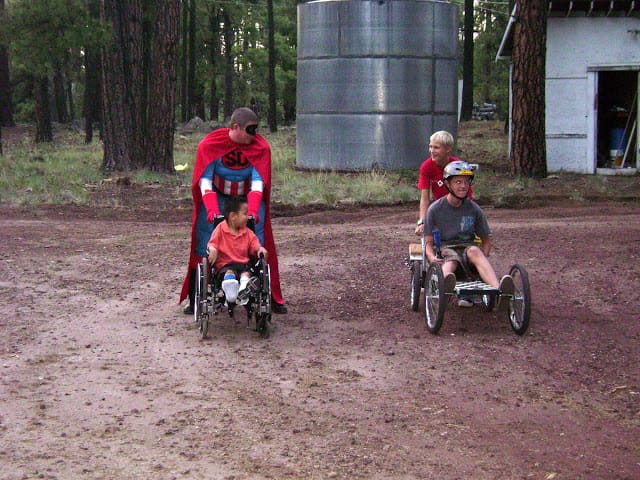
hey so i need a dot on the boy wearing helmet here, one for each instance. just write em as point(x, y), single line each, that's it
point(459, 219)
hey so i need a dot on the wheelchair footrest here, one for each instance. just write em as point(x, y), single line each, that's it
point(475, 288)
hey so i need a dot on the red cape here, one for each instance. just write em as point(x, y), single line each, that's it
point(258, 152)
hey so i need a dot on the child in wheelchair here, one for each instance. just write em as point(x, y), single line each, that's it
point(458, 220)
point(230, 249)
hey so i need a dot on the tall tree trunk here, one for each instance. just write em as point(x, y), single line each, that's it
point(72, 106)
point(271, 45)
point(214, 30)
point(528, 152)
point(467, 62)
point(162, 90)
point(123, 87)
point(229, 72)
point(60, 95)
point(92, 109)
point(192, 59)
point(44, 131)
point(184, 99)
point(6, 109)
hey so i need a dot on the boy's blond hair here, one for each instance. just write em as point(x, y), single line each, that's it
point(442, 137)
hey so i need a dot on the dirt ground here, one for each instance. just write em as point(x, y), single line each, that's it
point(103, 377)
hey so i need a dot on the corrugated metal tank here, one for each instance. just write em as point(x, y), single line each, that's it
point(375, 79)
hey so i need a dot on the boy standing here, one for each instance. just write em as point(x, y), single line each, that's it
point(430, 181)
point(230, 247)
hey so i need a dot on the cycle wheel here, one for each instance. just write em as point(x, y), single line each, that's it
point(416, 285)
point(520, 302)
point(434, 298)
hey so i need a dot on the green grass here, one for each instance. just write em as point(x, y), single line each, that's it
point(48, 173)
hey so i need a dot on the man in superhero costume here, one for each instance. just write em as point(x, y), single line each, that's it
point(234, 161)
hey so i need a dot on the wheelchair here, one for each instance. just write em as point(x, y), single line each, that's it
point(210, 300)
point(430, 279)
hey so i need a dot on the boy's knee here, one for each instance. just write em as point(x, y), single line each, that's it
point(474, 252)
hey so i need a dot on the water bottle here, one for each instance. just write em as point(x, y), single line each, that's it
point(436, 242)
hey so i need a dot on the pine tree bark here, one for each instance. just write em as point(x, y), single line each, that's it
point(92, 105)
point(214, 30)
point(192, 59)
point(6, 109)
point(163, 78)
point(60, 95)
point(184, 35)
point(273, 113)
point(123, 87)
point(44, 131)
point(229, 72)
point(528, 151)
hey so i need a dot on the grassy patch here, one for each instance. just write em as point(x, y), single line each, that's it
point(48, 173)
point(68, 171)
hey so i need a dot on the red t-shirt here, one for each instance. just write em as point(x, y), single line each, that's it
point(233, 248)
point(431, 176)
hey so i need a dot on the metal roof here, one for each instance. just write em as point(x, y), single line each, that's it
point(572, 8)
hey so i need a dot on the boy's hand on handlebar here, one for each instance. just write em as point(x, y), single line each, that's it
point(262, 252)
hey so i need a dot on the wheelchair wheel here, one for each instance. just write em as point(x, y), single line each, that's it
point(416, 285)
point(520, 303)
point(263, 302)
point(201, 297)
point(434, 298)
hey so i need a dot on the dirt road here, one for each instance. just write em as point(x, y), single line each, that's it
point(103, 377)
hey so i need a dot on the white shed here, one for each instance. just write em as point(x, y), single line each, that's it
point(592, 69)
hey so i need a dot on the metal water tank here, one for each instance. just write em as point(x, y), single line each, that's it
point(375, 79)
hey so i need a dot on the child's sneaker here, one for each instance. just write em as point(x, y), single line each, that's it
point(230, 288)
point(507, 287)
point(449, 283)
point(244, 291)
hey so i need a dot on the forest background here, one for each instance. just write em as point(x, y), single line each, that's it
point(86, 61)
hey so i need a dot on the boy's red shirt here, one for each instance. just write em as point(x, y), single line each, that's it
point(233, 247)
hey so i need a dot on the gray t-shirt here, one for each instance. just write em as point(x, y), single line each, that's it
point(456, 224)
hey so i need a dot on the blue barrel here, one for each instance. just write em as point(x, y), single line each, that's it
point(617, 142)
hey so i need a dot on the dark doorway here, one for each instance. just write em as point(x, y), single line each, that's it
point(617, 113)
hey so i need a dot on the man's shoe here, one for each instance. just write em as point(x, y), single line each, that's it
point(278, 308)
point(465, 302)
point(188, 310)
point(449, 283)
point(507, 287)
